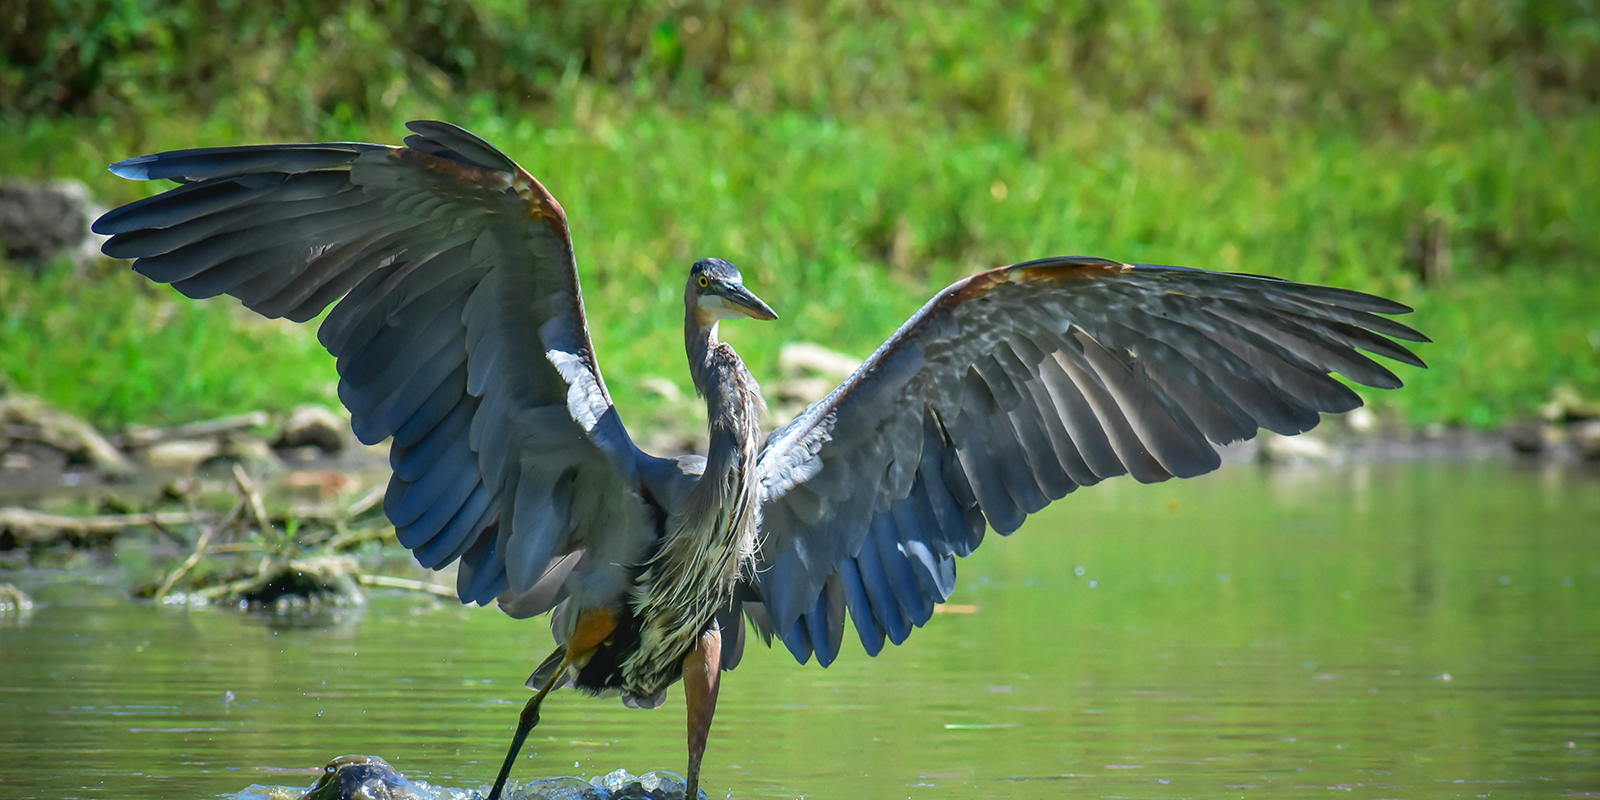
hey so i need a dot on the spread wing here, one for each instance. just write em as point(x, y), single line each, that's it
point(460, 333)
point(1016, 386)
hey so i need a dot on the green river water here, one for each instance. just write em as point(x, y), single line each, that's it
point(1405, 630)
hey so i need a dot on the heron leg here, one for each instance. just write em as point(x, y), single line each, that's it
point(593, 628)
point(702, 676)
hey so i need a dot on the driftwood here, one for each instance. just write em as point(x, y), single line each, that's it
point(27, 417)
point(36, 527)
point(406, 583)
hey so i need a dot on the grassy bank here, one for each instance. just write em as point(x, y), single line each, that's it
point(850, 187)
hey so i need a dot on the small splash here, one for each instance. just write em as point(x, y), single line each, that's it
point(619, 784)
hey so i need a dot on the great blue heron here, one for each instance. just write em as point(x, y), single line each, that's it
point(461, 334)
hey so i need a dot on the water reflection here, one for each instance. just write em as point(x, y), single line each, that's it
point(1391, 630)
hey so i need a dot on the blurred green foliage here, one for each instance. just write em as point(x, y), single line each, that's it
point(854, 156)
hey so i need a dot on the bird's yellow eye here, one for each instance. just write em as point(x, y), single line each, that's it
point(704, 281)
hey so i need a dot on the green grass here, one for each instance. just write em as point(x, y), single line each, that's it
point(850, 187)
point(117, 350)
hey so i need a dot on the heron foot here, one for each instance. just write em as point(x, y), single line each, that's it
point(593, 628)
point(525, 723)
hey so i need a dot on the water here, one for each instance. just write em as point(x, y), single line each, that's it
point(1398, 630)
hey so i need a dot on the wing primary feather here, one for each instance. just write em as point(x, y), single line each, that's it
point(902, 580)
point(432, 553)
point(1348, 335)
point(411, 463)
point(1164, 431)
point(1130, 451)
point(482, 576)
point(333, 274)
point(1050, 417)
point(855, 597)
point(296, 197)
point(798, 640)
point(1349, 316)
point(1079, 417)
point(1183, 383)
point(1297, 381)
point(438, 319)
point(1258, 397)
point(372, 426)
point(1024, 424)
point(226, 162)
point(885, 609)
point(1322, 356)
point(184, 203)
point(427, 416)
point(970, 435)
point(439, 491)
point(942, 504)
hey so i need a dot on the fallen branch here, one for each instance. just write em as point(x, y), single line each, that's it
point(406, 583)
point(35, 526)
point(368, 501)
point(200, 548)
point(258, 509)
point(136, 436)
point(350, 539)
point(62, 431)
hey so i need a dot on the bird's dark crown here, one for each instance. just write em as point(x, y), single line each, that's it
point(716, 270)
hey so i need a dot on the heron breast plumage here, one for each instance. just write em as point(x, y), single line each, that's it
point(708, 541)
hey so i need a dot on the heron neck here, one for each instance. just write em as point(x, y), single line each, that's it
point(733, 401)
point(699, 341)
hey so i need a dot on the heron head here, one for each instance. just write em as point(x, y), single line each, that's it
point(716, 292)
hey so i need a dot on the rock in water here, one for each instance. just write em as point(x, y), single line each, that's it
point(40, 220)
point(355, 777)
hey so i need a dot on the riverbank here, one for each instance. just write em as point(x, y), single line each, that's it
point(284, 511)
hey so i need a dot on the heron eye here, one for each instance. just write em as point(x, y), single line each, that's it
point(704, 281)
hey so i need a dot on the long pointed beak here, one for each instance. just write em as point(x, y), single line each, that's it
point(746, 301)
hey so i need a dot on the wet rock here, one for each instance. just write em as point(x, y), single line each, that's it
point(38, 221)
point(661, 387)
point(1525, 439)
point(181, 455)
point(1566, 405)
point(803, 390)
point(242, 448)
point(800, 358)
point(1302, 447)
point(356, 777)
point(1361, 420)
point(313, 426)
point(810, 372)
point(1586, 439)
